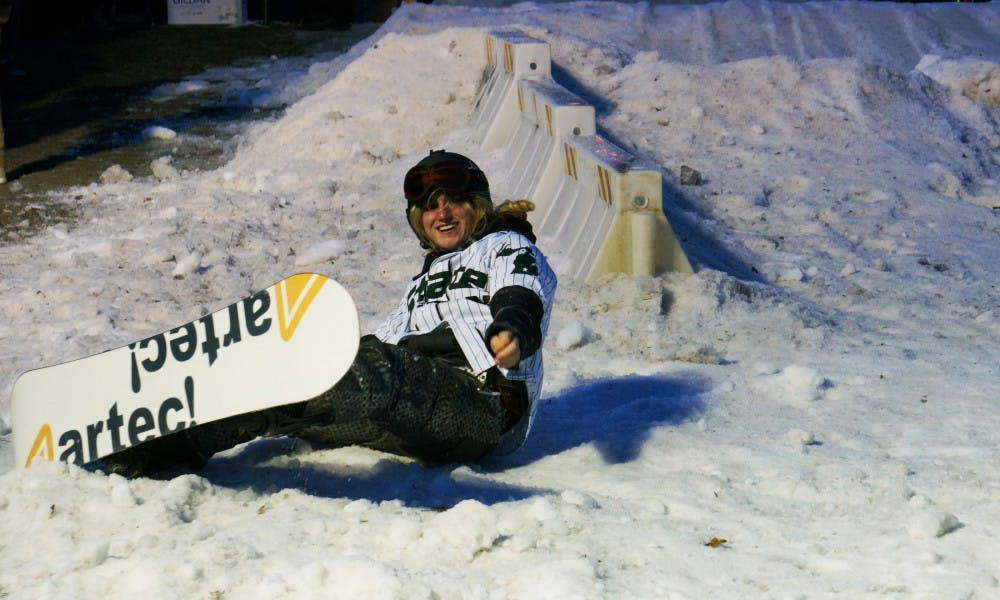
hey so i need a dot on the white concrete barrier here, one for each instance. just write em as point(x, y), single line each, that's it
point(607, 215)
point(600, 204)
point(510, 56)
point(532, 149)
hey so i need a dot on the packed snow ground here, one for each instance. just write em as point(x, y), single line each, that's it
point(812, 414)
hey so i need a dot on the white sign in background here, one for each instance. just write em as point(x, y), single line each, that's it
point(206, 12)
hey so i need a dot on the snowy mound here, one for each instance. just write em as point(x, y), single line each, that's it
point(811, 414)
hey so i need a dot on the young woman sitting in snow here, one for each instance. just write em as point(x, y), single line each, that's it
point(454, 372)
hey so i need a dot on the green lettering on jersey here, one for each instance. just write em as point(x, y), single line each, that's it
point(436, 285)
point(524, 260)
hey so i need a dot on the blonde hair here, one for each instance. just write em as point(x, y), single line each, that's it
point(482, 210)
point(517, 209)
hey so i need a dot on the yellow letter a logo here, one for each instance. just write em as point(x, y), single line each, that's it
point(294, 296)
point(42, 448)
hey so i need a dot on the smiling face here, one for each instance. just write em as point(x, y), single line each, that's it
point(447, 224)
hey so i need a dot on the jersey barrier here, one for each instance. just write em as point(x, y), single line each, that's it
point(602, 205)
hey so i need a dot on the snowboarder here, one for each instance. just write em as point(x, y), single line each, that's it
point(452, 374)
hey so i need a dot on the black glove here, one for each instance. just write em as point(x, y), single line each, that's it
point(519, 311)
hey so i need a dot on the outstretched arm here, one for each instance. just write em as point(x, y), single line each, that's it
point(516, 331)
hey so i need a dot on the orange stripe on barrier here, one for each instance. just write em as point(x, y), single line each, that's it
point(570, 153)
point(604, 183)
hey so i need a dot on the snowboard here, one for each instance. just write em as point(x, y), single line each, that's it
point(285, 344)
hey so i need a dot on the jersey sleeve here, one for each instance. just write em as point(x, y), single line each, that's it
point(517, 262)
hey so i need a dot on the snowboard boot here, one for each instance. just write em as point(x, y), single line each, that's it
point(191, 448)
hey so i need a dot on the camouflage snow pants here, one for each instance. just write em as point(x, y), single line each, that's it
point(401, 401)
point(392, 399)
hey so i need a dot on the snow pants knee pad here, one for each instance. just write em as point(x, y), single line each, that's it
point(399, 400)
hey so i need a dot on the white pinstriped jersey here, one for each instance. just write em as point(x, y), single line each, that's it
point(455, 292)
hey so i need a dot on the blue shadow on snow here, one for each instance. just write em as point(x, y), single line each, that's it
point(616, 415)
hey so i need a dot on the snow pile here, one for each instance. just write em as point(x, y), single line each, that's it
point(810, 415)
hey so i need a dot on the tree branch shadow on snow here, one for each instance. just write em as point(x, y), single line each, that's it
point(615, 415)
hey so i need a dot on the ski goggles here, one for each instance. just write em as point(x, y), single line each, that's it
point(420, 181)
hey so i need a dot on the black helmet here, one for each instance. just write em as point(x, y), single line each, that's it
point(442, 170)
